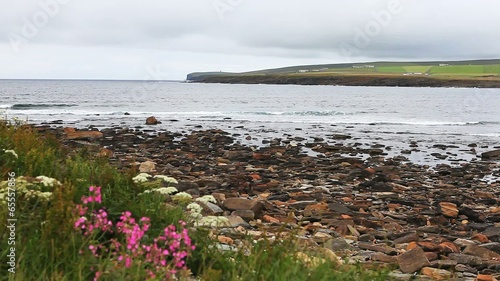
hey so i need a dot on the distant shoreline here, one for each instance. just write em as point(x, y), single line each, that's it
point(355, 80)
point(449, 74)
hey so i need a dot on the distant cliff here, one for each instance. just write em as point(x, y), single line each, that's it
point(200, 76)
point(353, 80)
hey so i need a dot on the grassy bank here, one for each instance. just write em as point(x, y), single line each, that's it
point(475, 73)
point(57, 230)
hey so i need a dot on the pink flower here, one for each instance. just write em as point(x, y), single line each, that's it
point(97, 275)
point(167, 253)
point(128, 262)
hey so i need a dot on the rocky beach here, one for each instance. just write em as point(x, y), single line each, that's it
point(361, 203)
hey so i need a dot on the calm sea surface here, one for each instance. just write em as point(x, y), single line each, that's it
point(394, 116)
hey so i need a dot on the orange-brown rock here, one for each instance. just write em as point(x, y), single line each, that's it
point(105, 153)
point(485, 277)
point(316, 208)
point(225, 240)
point(255, 177)
point(261, 156)
point(411, 246)
point(152, 121)
point(482, 194)
point(370, 170)
point(449, 247)
point(393, 206)
point(268, 218)
point(448, 209)
point(431, 256)
point(234, 204)
point(436, 274)
point(429, 246)
point(73, 134)
point(480, 237)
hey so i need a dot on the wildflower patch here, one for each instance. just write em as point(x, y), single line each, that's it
point(165, 257)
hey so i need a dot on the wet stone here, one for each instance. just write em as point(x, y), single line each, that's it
point(481, 252)
point(443, 263)
point(436, 274)
point(210, 209)
point(339, 208)
point(493, 233)
point(247, 215)
point(465, 268)
point(466, 259)
point(384, 258)
point(412, 261)
point(493, 246)
point(233, 204)
point(337, 244)
point(411, 237)
point(235, 221)
point(382, 248)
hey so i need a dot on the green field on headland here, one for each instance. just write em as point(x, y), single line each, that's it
point(475, 73)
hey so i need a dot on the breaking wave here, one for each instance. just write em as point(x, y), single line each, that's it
point(22, 106)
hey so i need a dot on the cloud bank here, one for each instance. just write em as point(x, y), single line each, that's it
point(121, 39)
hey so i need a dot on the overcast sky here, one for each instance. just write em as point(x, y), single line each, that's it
point(166, 39)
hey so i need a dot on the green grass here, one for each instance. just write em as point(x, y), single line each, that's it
point(292, 69)
point(351, 70)
point(417, 68)
point(404, 69)
point(391, 69)
point(48, 248)
point(471, 70)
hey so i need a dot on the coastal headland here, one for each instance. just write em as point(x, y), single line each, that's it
point(466, 74)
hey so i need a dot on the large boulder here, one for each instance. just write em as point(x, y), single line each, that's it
point(235, 204)
point(491, 154)
point(413, 260)
point(152, 121)
point(147, 167)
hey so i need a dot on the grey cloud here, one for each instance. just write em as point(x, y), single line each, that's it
point(250, 33)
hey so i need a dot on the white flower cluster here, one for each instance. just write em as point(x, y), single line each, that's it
point(206, 198)
point(194, 210)
point(163, 190)
point(212, 221)
point(32, 189)
point(10, 151)
point(194, 207)
point(142, 177)
point(47, 182)
point(36, 194)
point(166, 179)
point(182, 197)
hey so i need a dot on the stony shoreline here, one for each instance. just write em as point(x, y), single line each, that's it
point(442, 222)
